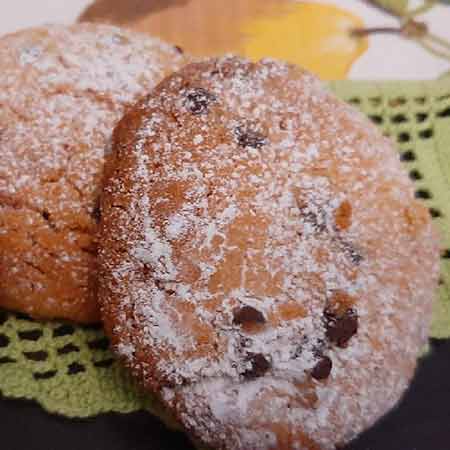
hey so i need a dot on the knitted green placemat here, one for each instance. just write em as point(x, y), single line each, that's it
point(69, 369)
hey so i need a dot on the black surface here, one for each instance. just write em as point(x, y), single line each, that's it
point(421, 422)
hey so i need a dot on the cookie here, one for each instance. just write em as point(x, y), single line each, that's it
point(264, 266)
point(62, 90)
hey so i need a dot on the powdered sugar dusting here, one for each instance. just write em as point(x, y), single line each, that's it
point(62, 90)
point(289, 205)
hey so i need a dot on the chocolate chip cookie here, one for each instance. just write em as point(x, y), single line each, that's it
point(265, 267)
point(62, 90)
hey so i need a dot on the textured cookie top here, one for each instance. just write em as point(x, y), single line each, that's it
point(264, 264)
point(62, 90)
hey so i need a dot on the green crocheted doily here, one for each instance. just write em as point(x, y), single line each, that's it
point(69, 369)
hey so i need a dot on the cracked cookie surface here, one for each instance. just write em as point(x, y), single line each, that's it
point(264, 266)
point(62, 90)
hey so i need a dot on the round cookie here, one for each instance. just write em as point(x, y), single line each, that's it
point(62, 90)
point(264, 266)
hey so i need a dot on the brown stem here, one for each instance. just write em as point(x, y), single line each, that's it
point(361, 32)
point(410, 29)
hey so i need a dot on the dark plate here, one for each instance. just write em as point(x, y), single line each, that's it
point(421, 422)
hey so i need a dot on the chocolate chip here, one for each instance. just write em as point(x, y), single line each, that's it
point(198, 100)
point(322, 369)
point(340, 327)
point(315, 218)
point(354, 255)
point(259, 366)
point(250, 138)
point(318, 221)
point(247, 314)
point(47, 217)
point(179, 49)
point(96, 212)
point(244, 342)
point(349, 250)
point(283, 124)
point(297, 352)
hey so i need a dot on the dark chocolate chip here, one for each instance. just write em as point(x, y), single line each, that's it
point(198, 100)
point(316, 218)
point(322, 369)
point(246, 315)
point(350, 251)
point(341, 327)
point(179, 49)
point(250, 138)
point(283, 124)
point(96, 212)
point(244, 342)
point(318, 221)
point(159, 283)
point(298, 351)
point(47, 217)
point(355, 257)
point(259, 366)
